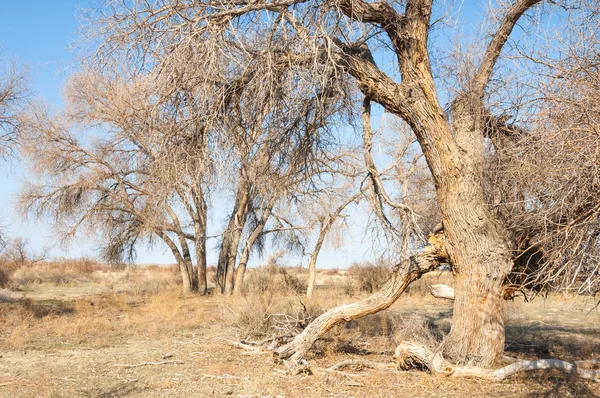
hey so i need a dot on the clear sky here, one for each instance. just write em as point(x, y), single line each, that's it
point(36, 33)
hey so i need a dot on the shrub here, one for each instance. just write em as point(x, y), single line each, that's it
point(331, 272)
point(274, 277)
point(62, 271)
point(368, 277)
point(4, 278)
point(416, 328)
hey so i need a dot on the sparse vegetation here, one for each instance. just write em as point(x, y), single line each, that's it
point(129, 326)
point(176, 111)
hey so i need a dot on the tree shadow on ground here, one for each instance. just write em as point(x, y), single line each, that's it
point(562, 386)
point(120, 390)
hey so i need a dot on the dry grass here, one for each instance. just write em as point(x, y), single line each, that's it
point(54, 347)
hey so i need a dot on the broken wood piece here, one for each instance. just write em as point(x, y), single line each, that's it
point(442, 291)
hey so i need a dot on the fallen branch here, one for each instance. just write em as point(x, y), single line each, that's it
point(250, 348)
point(404, 274)
point(411, 355)
point(137, 365)
point(442, 291)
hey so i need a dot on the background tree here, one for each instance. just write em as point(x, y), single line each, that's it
point(14, 93)
point(543, 164)
point(141, 179)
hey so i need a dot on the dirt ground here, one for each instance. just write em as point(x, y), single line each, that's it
point(100, 346)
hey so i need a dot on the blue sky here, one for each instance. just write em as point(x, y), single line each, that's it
point(36, 34)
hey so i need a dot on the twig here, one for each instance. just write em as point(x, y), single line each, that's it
point(17, 381)
point(137, 365)
point(361, 362)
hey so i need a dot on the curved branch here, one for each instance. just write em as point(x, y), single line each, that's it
point(410, 355)
point(497, 43)
point(370, 163)
point(404, 274)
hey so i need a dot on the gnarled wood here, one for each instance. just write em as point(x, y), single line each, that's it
point(410, 355)
point(404, 274)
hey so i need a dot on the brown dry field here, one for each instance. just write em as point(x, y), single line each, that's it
point(73, 339)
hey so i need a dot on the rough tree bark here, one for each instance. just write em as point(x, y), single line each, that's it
point(404, 274)
point(476, 243)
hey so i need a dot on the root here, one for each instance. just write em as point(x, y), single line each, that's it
point(411, 355)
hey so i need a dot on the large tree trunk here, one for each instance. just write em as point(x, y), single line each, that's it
point(201, 259)
point(230, 264)
point(189, 286)
point(188, 276)
point(477, 245)
point(406, 273)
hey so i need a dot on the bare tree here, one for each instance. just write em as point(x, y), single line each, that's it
point(330, 46)
point(14, 92)
point(142, 178)
point(19, 253)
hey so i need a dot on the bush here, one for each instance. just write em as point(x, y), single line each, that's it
point(4, 278)
point(274, 277)
point(59, 272)
point(416, 328)
point(368, 277)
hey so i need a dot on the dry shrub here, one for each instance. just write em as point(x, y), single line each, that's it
point(331, 272)
point(271, 314)
point(153, 283)
point(416, 328)
point(63, 271)
point(367, 276)
point(274, 277)
point(4, 278)
point(7, 268)
point(272, 305)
